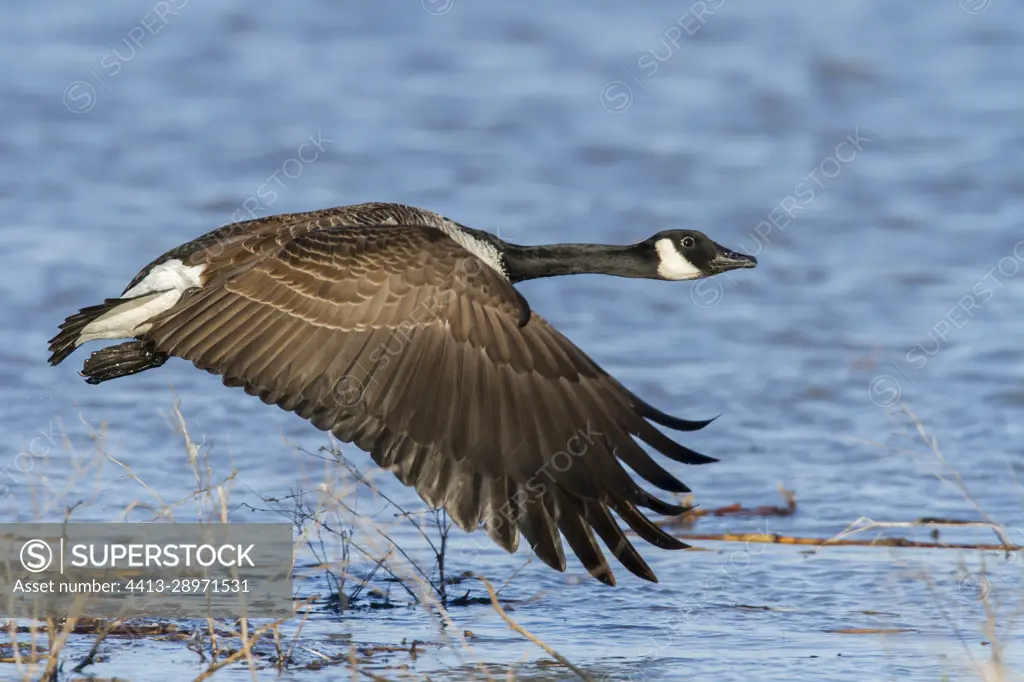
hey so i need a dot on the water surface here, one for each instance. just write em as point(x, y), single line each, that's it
point(869, 153)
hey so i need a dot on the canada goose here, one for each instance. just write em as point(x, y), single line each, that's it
point(399, 330)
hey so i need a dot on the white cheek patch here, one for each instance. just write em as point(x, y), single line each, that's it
point(672, 264)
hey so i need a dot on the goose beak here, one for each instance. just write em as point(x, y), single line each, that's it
point(726, 259)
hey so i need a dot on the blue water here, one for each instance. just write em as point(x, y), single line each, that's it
point(871, 154)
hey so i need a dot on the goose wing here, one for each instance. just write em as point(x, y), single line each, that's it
point(401, 341)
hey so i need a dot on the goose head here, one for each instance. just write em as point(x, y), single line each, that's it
point(691, 254)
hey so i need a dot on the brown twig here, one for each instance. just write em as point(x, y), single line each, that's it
point(775, 538)
point(736, 510)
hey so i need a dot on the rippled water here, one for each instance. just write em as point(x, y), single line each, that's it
point(870, 154)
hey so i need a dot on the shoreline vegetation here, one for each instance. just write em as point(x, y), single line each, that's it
point(364, 568)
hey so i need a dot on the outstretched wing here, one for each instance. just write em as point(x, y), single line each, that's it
point(399, 340)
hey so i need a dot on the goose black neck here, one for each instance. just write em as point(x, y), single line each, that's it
point(533, 262)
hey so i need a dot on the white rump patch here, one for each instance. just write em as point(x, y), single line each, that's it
point(125, 320)
point(169, 275)
point(672, 264)
point(158, 291)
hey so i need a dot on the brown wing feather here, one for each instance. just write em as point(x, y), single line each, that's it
point(401, 341)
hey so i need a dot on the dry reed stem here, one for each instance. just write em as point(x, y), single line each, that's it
point(865, 524)
point(429, 601)
point(56, 644)
point(12, 635)
point(244, 652)
point(957, 480)
point(526, 633)
point(91, 656)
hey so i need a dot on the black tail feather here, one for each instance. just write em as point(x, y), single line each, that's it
point(64, 343)
point(122, 360)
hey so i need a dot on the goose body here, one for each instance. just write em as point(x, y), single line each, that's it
point(400, 330)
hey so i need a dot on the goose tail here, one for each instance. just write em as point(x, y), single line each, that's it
point(71, 330)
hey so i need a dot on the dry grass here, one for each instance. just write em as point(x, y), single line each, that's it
point(355, 551)
point(998, 623)
point(362, 566)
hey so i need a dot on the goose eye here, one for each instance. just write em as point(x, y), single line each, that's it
point(687, 242)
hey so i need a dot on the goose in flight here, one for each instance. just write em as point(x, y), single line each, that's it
point(400, 331)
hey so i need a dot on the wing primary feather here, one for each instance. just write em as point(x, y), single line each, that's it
point(605, 469)
point(626, 448)
point(671, 449)
point(623, 550)
point(464, 505)
point(644, 527)
point(581, 538)
point(652, 472)
point(502, 520)
point(657, 416)
point(660, 506)
point(538, 527)
point(435, 479)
